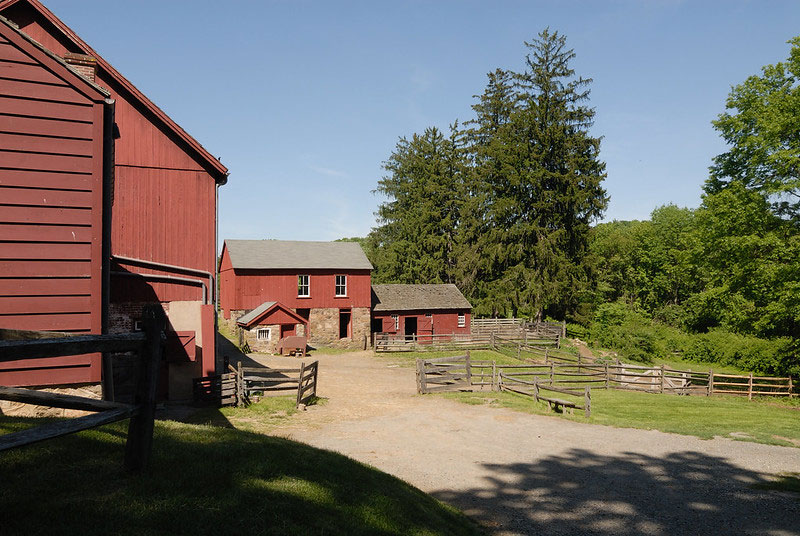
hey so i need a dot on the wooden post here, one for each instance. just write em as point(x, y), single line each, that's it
point(607, 377)
point(316, 374)
point(468, 364)
point(140, 427)
point(710, 382)
point(535, 389)
point(494, 376)
point(545, 354)
point(662, 379)
point(300, 384)
point(750, 388)
point(491, 340)
point(419, 390)
point(519, 349)
point(791, 395)
point(563, 328)
point(552, 372)
point(423, 387)
point(587, 402)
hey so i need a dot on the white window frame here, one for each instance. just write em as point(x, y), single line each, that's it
point(307, 285)
point(336, 286)
point(396, 319)
point(462, 320)
point(263, 334)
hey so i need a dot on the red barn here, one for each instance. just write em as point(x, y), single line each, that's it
point(108, 204)
point(325, 283)
point(419, 311)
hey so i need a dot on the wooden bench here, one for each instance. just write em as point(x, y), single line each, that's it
point(555, 403)
point(292, 344)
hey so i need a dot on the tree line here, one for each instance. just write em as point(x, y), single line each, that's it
point(503, 204)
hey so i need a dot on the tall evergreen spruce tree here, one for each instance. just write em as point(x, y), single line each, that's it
point(541, 177)
point(415, 242)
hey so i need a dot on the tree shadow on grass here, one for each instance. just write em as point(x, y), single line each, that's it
point(205, 480)
point(583, 492)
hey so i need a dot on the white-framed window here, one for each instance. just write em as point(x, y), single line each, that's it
point(396, 320)
point(303, 286)
point(341, 285)
point(262, 334)
point(462, 320)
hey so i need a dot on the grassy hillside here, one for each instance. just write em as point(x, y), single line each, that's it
point(206, 480)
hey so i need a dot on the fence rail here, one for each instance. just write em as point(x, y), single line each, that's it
point(148, 344)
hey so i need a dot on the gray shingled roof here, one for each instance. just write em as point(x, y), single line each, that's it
point(290, 254)
point(255, 313)
point(415, 297)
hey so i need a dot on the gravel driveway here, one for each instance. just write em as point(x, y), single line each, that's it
point(527, 474)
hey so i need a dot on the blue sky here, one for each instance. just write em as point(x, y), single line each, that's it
point(304, 100)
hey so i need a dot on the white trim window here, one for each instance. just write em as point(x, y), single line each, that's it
point(341, 286)
point(396, 320)
point(462, 320)
point(303, 286)
point(263, 334)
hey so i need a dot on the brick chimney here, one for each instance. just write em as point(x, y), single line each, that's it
point(84, 65)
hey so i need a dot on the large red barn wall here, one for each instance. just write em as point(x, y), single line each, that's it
point(164, 200)
point(51, 157)
point(444, 321)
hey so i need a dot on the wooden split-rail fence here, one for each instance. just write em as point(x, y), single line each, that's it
point(456, 374)
point(239, 386)
point(149, 344)
point(485, 336)
point(661, 379)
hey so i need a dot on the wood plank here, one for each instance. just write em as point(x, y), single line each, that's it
point(9, 52)
point(16, 88)
point(43, 109)
point(45, 251)
point(59, 322)
point(16, 268)
point(13, 232)
point(46, 162)
point(39, 144)
point(120, 342)
point(15, 305)
point(45, 287)
point(45, 127)
point(29, 73)
point(46, 363)
point(27, 178)
point(62, 428)
point(46, 215)
point(56, 400)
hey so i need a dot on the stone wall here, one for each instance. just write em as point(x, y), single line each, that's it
point(323, 325)
point(267, 346)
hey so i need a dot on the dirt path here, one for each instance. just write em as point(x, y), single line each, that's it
point(527, 474)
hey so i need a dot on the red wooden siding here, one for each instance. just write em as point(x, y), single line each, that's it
point(247, 289)
point(164, 195)
point(51, 162)
point(443, 321)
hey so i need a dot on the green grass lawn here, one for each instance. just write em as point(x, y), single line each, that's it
point(765, 420)
point(206, 480)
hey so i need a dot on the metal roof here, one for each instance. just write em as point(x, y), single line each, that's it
point(417, 297)
point(290, 254)
point(255, 313)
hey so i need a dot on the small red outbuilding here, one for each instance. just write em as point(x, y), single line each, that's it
point(419, 311)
